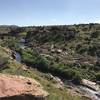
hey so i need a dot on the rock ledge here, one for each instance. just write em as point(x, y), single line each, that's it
point(20, 88)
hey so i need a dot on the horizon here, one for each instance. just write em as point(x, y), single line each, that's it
point(49, 12)
point(48, 25)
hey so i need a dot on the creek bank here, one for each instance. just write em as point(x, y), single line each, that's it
point(80, 90)
point(94, 95)
point(16, 56)
point(90, 89)
point(59, 83)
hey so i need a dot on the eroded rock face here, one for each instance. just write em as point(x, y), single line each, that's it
point(20, 88)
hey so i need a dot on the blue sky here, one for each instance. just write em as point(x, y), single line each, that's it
point(49, 12)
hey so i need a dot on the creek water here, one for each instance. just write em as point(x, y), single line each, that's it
point(18, 57)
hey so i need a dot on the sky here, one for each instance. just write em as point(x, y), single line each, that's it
point(49, 12)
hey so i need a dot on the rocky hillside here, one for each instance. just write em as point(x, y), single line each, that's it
point(13, 79)
point(71, 52)
point(68, 51)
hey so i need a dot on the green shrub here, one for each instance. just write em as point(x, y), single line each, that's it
point(98, 76)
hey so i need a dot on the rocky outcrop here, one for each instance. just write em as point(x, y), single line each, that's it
point(91, 85)
point(20, 88)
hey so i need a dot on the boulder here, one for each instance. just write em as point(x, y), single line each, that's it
point(90, 84)
point(20, 88)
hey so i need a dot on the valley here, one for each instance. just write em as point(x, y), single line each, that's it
point(54, 55)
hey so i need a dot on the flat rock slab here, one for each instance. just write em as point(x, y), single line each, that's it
point(91, 84)
point(13, 86)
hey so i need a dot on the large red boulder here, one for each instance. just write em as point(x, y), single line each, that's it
point(20, 88)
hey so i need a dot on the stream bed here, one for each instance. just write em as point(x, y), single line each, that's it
point(95, 95)
point(18, 57)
